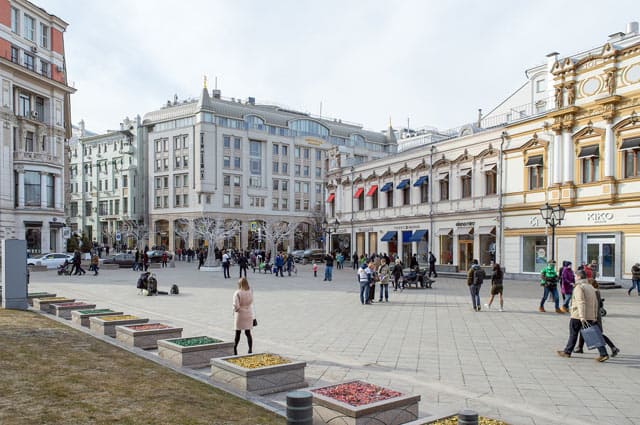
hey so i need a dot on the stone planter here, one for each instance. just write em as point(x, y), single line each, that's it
point(262, 379)
point(195, 352)
point(106, 325)
point(81, 317)
point(146, 336)
point(32, 295)
point(64, 310)
point(42, 304)
point(360, 403)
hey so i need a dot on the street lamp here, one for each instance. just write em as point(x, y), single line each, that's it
point(329, 228)
point(553, 217)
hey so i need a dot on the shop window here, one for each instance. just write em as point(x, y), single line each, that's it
point(534, 253)
point(446, 249)
point(487, 249)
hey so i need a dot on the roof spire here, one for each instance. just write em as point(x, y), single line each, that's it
point(205, 81)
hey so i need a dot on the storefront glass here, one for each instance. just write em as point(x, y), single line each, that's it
point(534, 253)
point(446, 249)
point(360, 248)
point(487, 249)
point(465, 251)
point(34, 239)
point(373, 244)
point(407, 248)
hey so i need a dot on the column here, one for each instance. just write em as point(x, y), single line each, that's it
point(21, 189)
point(43, 190)
point(568, 157)
point(609, 151)
point(557, 158)
point(172, 236)
point(58, 191)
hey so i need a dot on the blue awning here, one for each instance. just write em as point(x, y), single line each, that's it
point(418, 235)
point(389, 235)
point(387, 187)
point(421, 180)
point(404, 183)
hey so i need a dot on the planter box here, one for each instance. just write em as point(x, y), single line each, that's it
point(261, 380)
point(42, 304)
point(195, 356)
point(395, 410)
point(81, 317)
point(64, 309)
point(146, 338)
point(103, 326)
point(32, 295)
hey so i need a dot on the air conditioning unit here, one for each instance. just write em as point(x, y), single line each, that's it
point(34, 114)
point(34, 49)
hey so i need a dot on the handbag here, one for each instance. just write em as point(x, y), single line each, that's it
point(255, 322)
point(592, 335)
point(253, 304)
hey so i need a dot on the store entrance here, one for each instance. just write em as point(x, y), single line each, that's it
point(602, 250)
point(465, 252)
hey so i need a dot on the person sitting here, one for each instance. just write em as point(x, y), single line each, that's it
point(142, 282)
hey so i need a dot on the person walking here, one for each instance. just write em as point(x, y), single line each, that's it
point(77, 263)
point(95, 262)
point(372, 281)
point(289, 264)
point(354, 259)
point(328, 267)
point(136, 264)
point(567, 281)
point(432, 265)
point(384, 276)
point(200, 258)
point(145, 261)
point(364, 278)
point(549, 281)
point(584, 311)
point(279, 264)
point(165, 257)
point(614, 350)
point(475, 278)
point(397, 274)
point(496, 286)
point(226, 262)
point(243, 313)
point(243, 264)
point(315, 269)
point(635, 279)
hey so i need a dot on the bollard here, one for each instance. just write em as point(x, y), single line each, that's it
point(467, 417)
point(299, 408)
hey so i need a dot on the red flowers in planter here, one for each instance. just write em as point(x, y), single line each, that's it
point(357, 393)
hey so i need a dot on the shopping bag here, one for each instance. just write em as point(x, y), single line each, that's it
point(592, 336)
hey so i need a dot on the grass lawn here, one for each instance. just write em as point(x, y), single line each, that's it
point(54, 374)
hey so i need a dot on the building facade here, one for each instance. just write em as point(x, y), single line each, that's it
point(107, 173)
point(35, 125)
point(245, 163)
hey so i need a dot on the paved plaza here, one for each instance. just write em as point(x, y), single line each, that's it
point(424, 341)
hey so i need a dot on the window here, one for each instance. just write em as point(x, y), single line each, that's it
point(309, 127)
point(88, 208)
point(165, 163)
point(28, 61)
point(390, 197)
point(424, 193)
point(158, 202)
point(103, 208)
point(534, 165)
point(178, 162)
point(465, 181)
point(226, 142)
point(185, 161)
point(236, 162)
point(178, 199)
point(285, 150)
point(236, 201)
point(44, 36)
point(296, 152)
point(236, 143)
point(276, 167)
point(444, 187)
point(32, 188)
point(236, 181)
point(534, 253)
point(165, 181)
point(176, 143)
point(275, 184)
point(285, 185)
point(541, 86)
point(125, 205)
point(165, 145)
point(285, 204)
point(29, 28)
point(490, 178)
point(275, 149)
point(446, 248)
point(590, 163)
point(318, 187)
point(318, 155)
point(226, 180)
point(125, 181)
point(305, 153)
point(305, 187)
point(115, 184)
point(318, 172)
point(74, 209)
point(14, 54)
point(305, 171)
point(28, 142)
point(24, 105)
point(15, 20)
point(185, 200)
point(158, 145)
point(116, 208)
point(177, 181)
point(285, 168)
point(296, 169)
point(165, 202)
point(226, 161)
point(632, 162)
point(406, 195)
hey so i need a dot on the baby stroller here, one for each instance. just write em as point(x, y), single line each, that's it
point(65, 268)
point(417, 277)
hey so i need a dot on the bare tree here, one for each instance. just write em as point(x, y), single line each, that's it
point(183, 228)
point(215, 232)
point(276, 232)
point(136, 230)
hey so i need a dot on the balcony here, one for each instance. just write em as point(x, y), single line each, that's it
point(37, 157)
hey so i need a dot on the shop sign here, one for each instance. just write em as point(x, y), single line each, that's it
point(534, 221)
point(364, 229)
point(407, 226)
point(599, 217)
point(465, 224)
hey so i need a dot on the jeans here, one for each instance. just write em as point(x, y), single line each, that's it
point(574, 330)
point(384, 289)
point(554, 292)
point(475, 295)
point(364, 292)
point(567, 300)
point(634, 284)
point(328, 273)
point(225, 269)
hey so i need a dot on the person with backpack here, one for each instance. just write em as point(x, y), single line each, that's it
point(567, 280)
point(549, 281)
point(432, 265)
point(475, 278)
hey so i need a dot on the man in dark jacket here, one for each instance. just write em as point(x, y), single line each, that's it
point(328, 267)
point(432, 264)
point(475, 277)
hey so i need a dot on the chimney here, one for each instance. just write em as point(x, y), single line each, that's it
point(251, 101)
point(216, 93)
point(632, 27)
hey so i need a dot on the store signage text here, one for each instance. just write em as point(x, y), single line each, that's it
point(412, 226)
point(465, 223)
point(600, 217)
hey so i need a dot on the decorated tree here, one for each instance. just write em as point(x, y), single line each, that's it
point(276, 232)
point(215, 231)
point(132, 229)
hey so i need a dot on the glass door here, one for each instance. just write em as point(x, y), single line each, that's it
point(602, 250)
point(465, 254)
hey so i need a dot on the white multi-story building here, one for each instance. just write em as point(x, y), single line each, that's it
point(34, 102)
point(246, 162)
point(106, 202)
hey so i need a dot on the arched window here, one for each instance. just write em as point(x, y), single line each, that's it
point(357, 140)
point(254, 121)
point(309, 127)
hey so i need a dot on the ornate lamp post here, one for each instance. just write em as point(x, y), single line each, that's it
point(328, 229)
point(553, 217)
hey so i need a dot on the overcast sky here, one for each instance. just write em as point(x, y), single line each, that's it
point(432, 62)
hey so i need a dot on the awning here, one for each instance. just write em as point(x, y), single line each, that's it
point(464, 230)
point(387, 187)
point(404, 183)
point(331, 197)
point(358, 192)
point(443, 176)
point(534, 161)
point(388, 236)
point(490, 167)
point(589, 152)
point(417, 236)
point(487, 230)
point(630, 144)
point(443, 231)
point(421, 180)
point(465, 173)
point(372, 190)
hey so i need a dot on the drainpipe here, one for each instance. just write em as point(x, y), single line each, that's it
point(503, 139)
point(433, 148)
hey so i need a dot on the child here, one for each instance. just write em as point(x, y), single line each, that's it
point(315, 269)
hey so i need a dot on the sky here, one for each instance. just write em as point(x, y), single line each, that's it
point(413, 62)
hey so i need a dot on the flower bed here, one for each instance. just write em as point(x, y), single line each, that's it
point(32, 295)
point(358, 402)
point(262, 373)
point(81, 317)
point(42, 304)
point(64, 310)
point(146, 336)
point(106, 325)
point(454, 421)
point(195, 352)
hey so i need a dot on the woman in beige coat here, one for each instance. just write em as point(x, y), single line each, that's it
point(243, 313)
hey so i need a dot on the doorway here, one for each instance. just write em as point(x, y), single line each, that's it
point(465, 252)
point(602, 249)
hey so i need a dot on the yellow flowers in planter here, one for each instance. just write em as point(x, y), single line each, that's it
point(256, 361)
point(114, 318)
